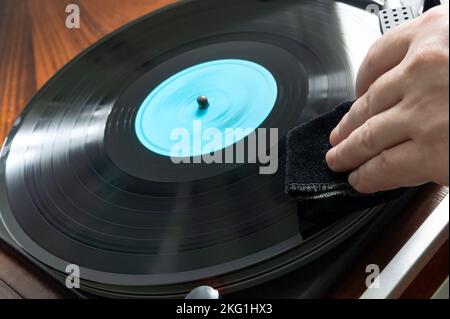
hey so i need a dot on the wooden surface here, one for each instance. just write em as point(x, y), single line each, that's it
point(34, 44)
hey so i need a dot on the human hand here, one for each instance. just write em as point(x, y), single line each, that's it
point(397, 132)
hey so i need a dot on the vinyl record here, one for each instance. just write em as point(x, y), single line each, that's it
point(86, 174)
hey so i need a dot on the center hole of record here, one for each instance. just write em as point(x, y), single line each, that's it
point(219, 95)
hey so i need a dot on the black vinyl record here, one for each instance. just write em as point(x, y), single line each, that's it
point(77, 186)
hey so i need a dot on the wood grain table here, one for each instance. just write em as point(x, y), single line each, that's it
point(34, 44)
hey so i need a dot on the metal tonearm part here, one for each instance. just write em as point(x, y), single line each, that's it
point(396, 12)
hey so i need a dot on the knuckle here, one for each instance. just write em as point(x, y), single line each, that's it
point(383, 163)
point(431, 16)
point(366, 137)
point(427, 57)
point(368, 102)
point(418, 59)
point(421, 131)
point(430, 149)
point(428, 17)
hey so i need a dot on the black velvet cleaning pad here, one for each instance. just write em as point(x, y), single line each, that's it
point(321, 193)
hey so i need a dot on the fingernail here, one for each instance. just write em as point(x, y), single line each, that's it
point(334, 136)
point(331, 157)
point(353, 178)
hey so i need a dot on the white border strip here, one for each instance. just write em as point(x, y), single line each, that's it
point(413, 257)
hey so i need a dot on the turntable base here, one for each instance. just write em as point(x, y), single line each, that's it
point(30, 42)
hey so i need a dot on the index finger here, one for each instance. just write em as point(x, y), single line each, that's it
point(386, 53)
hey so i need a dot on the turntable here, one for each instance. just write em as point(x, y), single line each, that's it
point(87, 176)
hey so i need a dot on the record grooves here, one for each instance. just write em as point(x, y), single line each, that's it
point(78, 185)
